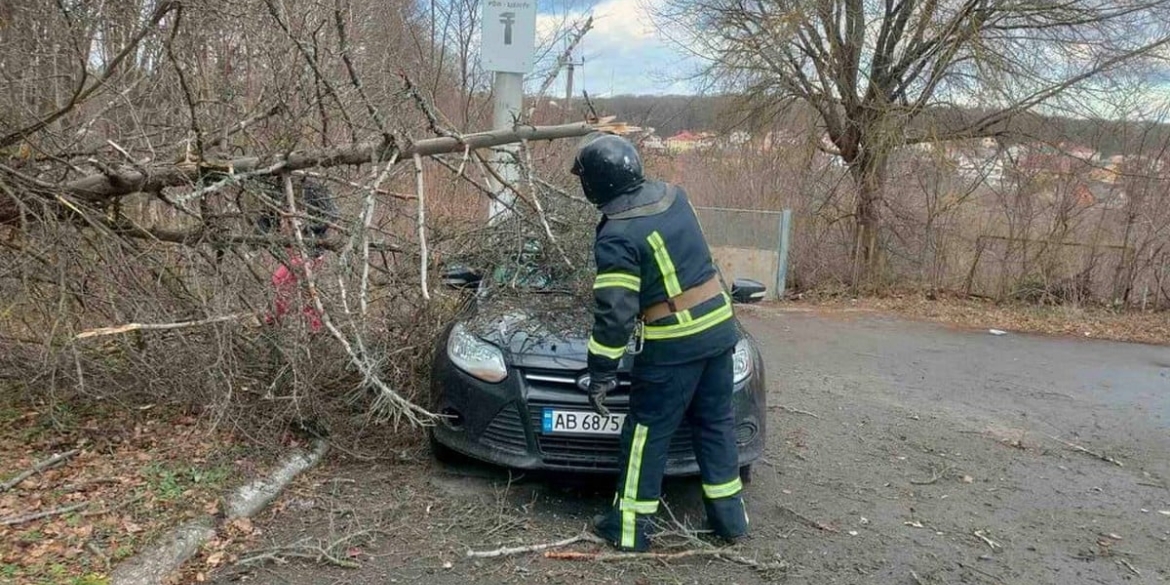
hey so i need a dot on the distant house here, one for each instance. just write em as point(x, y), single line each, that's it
point(687, 141)
point(653, 142)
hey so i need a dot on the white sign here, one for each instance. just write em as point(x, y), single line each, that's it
point(509, 35)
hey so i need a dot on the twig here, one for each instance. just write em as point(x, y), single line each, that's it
point(159, 326)
point(422, 228)
point(793, 410)
point(935, 475)
point(995, 546)
point(367, 219)
point(809, 521)
point(389, 400)
point(1080, 449)
point(49, 463)
point(916, 578)
point(536, 203)
point(1130, 567)
point(517, 550)
point(37, 516)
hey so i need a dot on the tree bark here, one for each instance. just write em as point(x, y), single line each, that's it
point(869, 175)
point(126, 180)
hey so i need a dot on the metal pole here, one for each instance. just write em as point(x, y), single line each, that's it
point(782, 253)
point(508, 99)
point(569, 91)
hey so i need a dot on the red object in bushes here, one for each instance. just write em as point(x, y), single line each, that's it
point(284, 282)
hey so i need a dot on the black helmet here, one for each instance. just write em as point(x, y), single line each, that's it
point(608, 166)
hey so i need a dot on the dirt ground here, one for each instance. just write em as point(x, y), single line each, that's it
point(899, 452)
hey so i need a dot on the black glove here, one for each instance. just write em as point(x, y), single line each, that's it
point(599, 386)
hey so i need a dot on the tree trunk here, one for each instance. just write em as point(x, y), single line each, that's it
point(869, 174)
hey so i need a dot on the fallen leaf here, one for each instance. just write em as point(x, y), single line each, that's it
point(200, 577)
point(448, 565)
point(852, 533)
point(968, 479)
point(915, 524)
point(131, 527)
point(243, 525)
point(215, 559)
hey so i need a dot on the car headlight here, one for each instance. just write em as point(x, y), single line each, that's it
point(742, 360)
point(475, 356)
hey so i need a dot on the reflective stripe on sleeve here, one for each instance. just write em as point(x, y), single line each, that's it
point(618, 279)
point(612, 353)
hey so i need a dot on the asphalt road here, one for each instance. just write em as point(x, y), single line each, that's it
point(899, 452)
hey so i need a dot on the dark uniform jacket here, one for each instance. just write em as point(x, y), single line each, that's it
point(649, 248)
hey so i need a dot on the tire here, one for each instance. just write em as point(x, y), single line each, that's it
point(745, 473)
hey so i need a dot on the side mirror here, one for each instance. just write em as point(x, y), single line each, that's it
point(461, 277)
point(746, 290)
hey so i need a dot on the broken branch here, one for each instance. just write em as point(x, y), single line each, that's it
point(160, 326)
point(1080, 449)
point(516, 550)
point(37, 516)
point(49, 463)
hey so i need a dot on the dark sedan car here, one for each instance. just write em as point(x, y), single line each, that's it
point(509, 376)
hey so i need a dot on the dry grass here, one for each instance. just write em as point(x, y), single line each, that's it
point(1084, 321)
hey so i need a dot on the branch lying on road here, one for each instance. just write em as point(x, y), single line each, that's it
point(517, 550)
point(1080, 449)
point(793, 410)
point(49, 463)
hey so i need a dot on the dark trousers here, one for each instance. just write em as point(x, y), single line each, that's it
point(659, 399)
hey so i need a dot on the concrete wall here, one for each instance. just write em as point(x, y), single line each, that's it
point(747, 263)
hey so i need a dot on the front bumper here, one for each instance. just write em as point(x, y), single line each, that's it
point(501, 423)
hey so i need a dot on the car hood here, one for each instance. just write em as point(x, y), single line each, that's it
point(544, 331)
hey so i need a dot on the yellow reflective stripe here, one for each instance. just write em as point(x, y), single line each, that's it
point(665, 265)
point(612, 353)
point(659, 332)
point(640, 506)
point(618, 279)
point(685, 316)
point(723, 490)
point(633, 477)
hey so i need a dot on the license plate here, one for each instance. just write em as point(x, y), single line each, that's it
point(580, 422)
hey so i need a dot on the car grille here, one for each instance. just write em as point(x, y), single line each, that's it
point(565, 380)
point(593, 451)
point(506, 431)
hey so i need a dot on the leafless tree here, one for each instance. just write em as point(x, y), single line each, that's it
point(882, 74)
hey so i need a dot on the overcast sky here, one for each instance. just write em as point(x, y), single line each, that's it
point(623, 52)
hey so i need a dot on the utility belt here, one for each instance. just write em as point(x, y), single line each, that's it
point(688, 299)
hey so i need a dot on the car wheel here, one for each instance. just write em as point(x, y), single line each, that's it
point(745, 473)
point(443, 453)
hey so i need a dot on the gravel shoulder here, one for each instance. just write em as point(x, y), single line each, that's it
point(899, 452)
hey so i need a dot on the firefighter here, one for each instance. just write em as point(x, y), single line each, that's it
point(656, 282)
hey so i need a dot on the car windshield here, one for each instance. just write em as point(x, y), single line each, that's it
point(537, 277)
